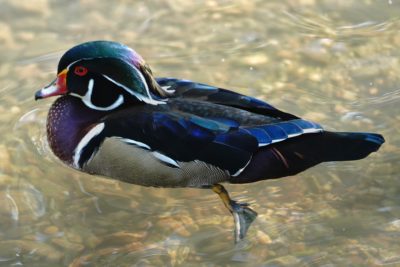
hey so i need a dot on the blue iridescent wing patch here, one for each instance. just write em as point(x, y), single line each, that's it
point(277, 132)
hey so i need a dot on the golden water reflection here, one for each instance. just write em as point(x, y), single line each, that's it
point(335, 62)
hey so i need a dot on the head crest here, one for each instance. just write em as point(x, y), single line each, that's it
point(109, 49)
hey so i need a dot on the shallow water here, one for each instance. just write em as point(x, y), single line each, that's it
point(335, 62)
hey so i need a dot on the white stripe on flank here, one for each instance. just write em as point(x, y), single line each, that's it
point(140, 97)
point(165, 159)
point(95, 131)
point(242, 169)
point(134, 142)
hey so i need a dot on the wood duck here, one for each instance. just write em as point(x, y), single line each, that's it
point(114, 119)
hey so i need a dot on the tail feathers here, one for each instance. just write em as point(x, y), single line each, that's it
point(298, 154)
point(349, 146)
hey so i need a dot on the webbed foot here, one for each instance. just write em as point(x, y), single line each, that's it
point(243, 215)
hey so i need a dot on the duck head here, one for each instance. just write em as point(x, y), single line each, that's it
point(105, 75)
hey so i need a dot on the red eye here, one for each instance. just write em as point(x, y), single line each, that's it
point(81, 71)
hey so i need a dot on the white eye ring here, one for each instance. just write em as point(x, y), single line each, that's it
point(87, 99)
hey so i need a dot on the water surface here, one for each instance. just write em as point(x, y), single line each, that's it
point(335, 62)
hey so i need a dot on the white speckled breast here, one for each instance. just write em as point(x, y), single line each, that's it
point(67, 122)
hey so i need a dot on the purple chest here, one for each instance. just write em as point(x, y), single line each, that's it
point(67, 122)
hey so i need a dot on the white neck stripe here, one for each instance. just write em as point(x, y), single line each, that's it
point(95, 131)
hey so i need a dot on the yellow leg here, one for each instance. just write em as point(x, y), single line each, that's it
point(242, 214)
point(223, 194)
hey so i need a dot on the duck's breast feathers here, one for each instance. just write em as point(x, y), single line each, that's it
point(175, 137)
point(192, 90)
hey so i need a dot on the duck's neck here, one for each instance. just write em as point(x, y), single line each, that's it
point(67, 122)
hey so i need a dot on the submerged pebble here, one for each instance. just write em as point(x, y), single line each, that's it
point(40, 251)
point(322, 67)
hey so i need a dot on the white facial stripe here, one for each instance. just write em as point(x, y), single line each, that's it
point(165, 159)
point(148, 100)
point(95, 131)
point(134, 142)
point(143, 81)
point(87, 99)
point(140, 97)
point(76, 95)
point(81, 59)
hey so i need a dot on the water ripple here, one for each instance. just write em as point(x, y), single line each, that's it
point(386, 98)
point(14, 211)
point(34, 122)
point(322, 26)
point(49, 57)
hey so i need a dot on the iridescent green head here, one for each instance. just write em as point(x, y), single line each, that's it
point(105, 75)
